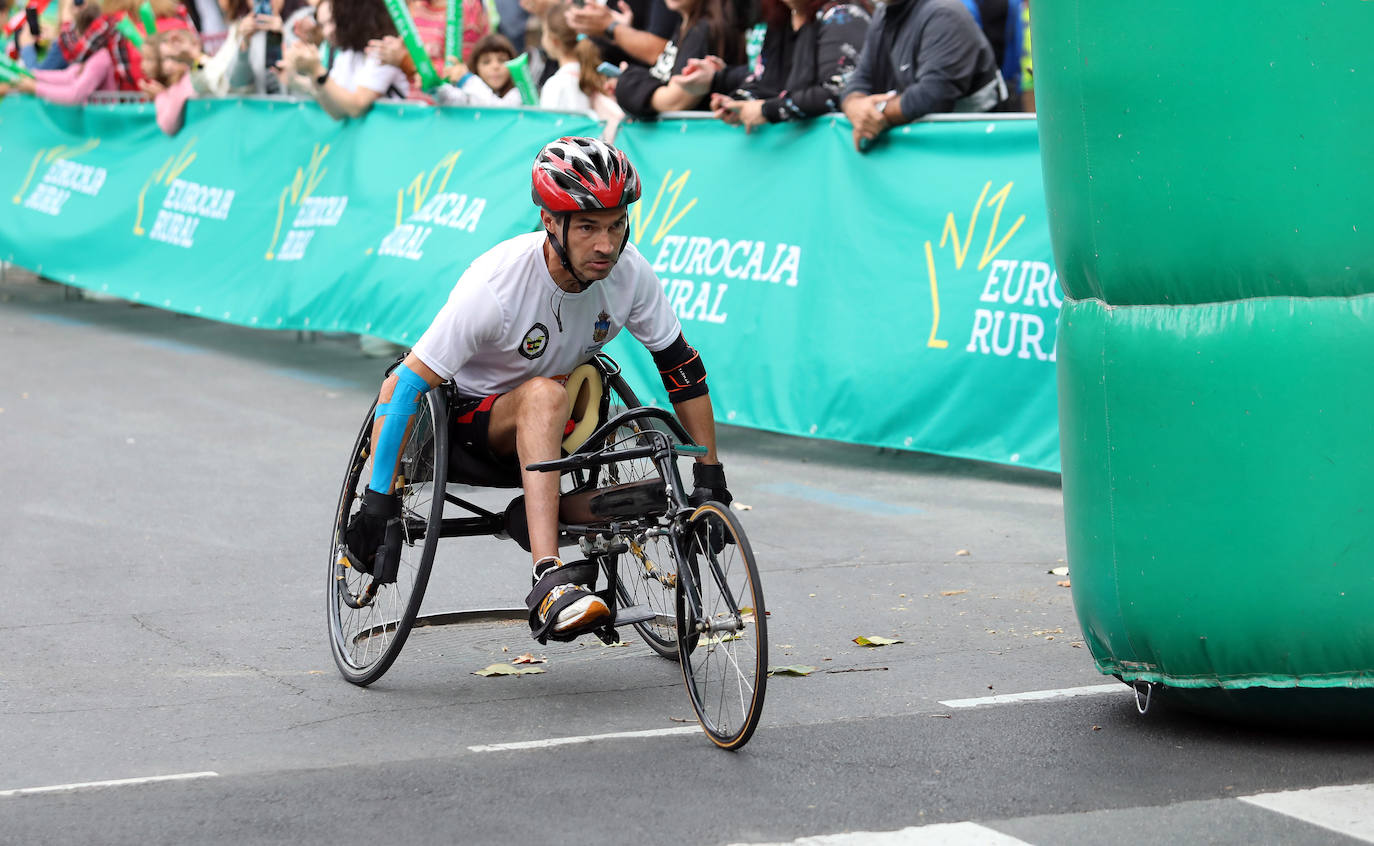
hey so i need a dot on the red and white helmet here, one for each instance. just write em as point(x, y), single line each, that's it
point(582, 174)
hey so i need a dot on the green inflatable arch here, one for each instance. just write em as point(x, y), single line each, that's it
point(1209, 171)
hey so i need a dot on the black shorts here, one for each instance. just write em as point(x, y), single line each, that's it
point(473, 459)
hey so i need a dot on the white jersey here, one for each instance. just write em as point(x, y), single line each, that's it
point(507, 321)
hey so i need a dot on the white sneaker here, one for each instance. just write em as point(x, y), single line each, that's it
point(582, 613)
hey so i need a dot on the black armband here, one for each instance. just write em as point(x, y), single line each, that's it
point(680, 367)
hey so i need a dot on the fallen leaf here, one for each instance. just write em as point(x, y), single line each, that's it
point(791, 670)
point(785, 646)
point(528, 658)
point(953, 592)
point(739, 506)
point(506, 670)
point(962, 552)
point(617, 643)
point(875, 640)
point(1049, 631)
point(723, 637)
point(1063, 582)
point(1097, 728)
point(682, 719)
point(942, 716)
point(1059, 571)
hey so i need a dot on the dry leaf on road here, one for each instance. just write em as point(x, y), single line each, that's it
point(791, 670)
point(506, 670)
point(953, 592)
point(1063, 583)
point(529, 658)
point(875, 640)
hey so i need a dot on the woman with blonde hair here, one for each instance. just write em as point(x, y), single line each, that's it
point(577, 85)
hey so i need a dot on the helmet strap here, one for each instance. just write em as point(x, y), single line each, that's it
point(563, 253)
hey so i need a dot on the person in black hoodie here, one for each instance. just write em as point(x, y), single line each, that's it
point(920, 57)
point(708, 28)
point(809, 50)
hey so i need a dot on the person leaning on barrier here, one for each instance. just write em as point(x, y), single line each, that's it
point(708, 29)
point(521, 318)
point(810, 48)
point(920, 57)
point(633, 32)
point(354, 80)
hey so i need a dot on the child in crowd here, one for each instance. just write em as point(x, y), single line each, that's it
point(490, 82)
point(577, 85)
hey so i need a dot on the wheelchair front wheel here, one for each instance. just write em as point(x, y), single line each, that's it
point(722, 626)
point(370, 621)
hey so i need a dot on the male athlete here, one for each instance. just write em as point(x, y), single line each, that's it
point(520, 319)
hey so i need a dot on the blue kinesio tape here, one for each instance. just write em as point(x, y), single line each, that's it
point(396, 414)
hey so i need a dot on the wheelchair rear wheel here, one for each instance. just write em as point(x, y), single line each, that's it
point(370, 621)
point(722, 625)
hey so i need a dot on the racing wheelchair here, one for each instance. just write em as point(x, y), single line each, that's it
point(683, 576)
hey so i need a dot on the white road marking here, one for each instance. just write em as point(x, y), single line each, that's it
point(1348, 810)
point(938, 834)
point(96, 785)
point(1038, 695)
point(582, 738)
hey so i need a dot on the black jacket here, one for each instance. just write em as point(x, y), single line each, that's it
point(801, 73)
point(932, 52)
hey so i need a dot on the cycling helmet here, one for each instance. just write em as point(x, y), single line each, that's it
point(582, 174)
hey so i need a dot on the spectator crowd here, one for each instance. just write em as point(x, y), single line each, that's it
point(746, 62)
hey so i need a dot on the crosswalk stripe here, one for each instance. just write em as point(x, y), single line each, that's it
point(1347, 809)
point(936, 834)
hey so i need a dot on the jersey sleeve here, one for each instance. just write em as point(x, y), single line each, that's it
point(652, 321)
point(471, 317)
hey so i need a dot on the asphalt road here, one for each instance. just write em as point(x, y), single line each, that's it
point(166, 488)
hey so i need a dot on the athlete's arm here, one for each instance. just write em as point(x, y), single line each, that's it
point(699, 420)
point(397, 402)
point(684, 377)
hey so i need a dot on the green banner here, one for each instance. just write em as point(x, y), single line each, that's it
point(900, 298)
point(269, 214)
point(903, 298)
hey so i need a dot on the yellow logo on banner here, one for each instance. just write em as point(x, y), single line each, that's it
point(640, 222)
point(170, 170)
point(307, 179)
point(49, 155)
point(961, 245)
point(420, 187)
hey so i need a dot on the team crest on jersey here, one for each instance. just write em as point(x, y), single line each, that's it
point(535, 342)
point(602, 326)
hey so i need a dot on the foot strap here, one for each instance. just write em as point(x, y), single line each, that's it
point(575, 573)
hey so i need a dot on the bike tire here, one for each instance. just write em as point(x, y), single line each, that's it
point(366, 641)
point(722, 626)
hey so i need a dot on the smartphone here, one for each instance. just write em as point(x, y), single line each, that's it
point(262, 7)
point(31, 15)
point(608, 69)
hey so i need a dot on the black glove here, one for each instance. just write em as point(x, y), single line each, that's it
point(708, 482)
point(367, 530)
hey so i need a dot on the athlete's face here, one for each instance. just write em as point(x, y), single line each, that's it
point(594, 239)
